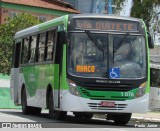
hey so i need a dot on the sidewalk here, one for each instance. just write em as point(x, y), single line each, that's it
point(152, 117)
point(147, 117)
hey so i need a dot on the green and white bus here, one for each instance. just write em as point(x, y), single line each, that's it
point(84, 64)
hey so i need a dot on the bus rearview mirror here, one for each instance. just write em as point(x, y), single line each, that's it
point(150, 41)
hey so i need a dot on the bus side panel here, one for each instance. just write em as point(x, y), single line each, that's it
point(29, 80)
point(28, 75)
point(56, 93)
point(63, 81)
point(44, 78)
point(37, 78)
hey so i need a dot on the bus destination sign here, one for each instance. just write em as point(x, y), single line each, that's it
point(104, 24)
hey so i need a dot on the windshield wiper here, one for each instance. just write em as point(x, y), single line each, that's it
point(94, 40)
point(115, 49)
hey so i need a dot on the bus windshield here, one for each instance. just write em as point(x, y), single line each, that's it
point(122, 56)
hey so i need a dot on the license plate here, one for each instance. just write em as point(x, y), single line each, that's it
point(107, 104)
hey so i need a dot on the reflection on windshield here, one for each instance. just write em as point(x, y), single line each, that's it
point(86, 60)
point(129, 59)
point(120, 42)
point(85, 57)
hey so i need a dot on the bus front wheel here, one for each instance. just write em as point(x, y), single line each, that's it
point(28, 110)
point(25, 108)
point(54, 114)
point(83, 115)
point(121, 119)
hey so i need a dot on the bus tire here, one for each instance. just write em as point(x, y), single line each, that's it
point(88, 115)
point(80, 115)
point(121, 119)
point(28, 110)
point(35, 111)
point(54, 114)
point(25, 109)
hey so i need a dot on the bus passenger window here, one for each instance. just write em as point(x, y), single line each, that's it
point(32, 49)
point(25, 49)
point(41, 48)
point(50, 45)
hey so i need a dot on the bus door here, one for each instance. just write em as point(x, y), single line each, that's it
point(58, 62)
point(14, 77)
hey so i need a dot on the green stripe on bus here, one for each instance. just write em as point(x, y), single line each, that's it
point(108, 95)
point(50, 25)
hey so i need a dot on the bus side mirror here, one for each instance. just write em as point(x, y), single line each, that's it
point(150, 41)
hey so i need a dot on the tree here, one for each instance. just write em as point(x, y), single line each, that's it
point(119, 3)
point(7, 32)
point(142, 9)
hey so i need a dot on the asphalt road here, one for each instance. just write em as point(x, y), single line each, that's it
point(15, 117)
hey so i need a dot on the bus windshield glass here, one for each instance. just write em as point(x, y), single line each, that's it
point(123, 56)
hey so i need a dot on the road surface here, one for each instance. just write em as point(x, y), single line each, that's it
point(16, 116)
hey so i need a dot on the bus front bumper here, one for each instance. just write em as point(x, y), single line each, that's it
point(73, 103)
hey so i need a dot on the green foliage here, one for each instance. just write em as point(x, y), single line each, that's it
point(118, 3)
point(7, 32)
point(157, 2)
point(142, 9)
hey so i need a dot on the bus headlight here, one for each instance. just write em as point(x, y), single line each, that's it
point(73, 88)
point(141, 90)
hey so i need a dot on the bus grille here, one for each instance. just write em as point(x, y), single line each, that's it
point(88, 94)
point(97, 106)
point(110, 87)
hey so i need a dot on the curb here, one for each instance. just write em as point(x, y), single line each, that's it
point(146, 119)
point(133, 118)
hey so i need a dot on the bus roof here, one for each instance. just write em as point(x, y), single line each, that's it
point(104, 16)
point(63, 20)
point(43, 26)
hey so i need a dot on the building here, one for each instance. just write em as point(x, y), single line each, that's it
point(44, 10)
point(93, 6)
point(84, 6)
point(74, 3)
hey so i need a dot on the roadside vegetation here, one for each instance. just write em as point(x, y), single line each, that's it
point(7, 32)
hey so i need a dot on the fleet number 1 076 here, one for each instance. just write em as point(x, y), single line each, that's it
point(127, 94)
